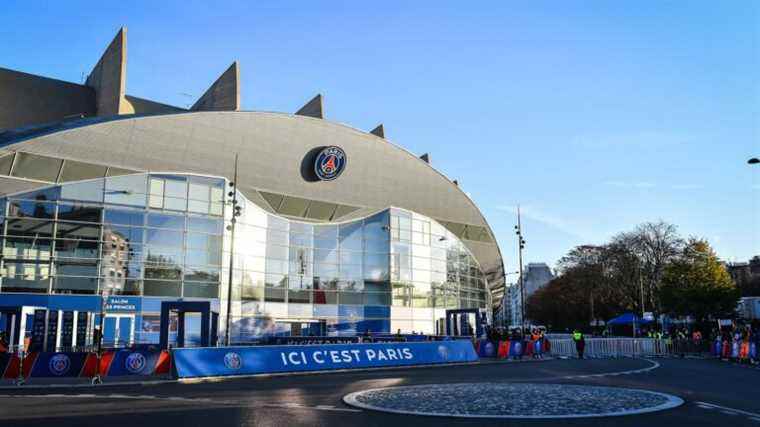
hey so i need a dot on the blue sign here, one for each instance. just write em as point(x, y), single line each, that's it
point(208, 362)
point(329, 163)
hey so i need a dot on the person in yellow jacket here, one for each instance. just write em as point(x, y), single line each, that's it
point(580, 343)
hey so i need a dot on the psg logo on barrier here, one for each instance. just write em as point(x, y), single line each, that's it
point(329, 163)
point(233, 361)
point(59, 364)
point(135, 363)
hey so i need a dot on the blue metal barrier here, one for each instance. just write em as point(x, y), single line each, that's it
point(205, 362)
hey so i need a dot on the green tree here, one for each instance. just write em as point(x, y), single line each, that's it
point(697, 284)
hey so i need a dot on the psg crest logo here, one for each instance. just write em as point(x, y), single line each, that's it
point(135, 363)
point(59, 364)
point(232, 361)
point(329, 163)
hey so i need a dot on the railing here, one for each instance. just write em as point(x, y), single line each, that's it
point(617, 347)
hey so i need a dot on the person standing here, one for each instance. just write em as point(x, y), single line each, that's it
point(580, 343)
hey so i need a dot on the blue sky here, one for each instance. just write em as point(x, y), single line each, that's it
point(594, 116)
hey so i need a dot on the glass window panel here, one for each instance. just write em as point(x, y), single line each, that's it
point(124, 217)
point(161, 288)
point(31, 209)
point(377, 227)
point(277, 252)
point(350, 258)
point(175, 188)
point(277, 266)
point(163, 273)
point(377, 298)
point(208, 242)
point(175, 204)
point(164, 256)
point(274, 295)
point(216, 209)
point(78, 212)
point(123, 236)
point(30, 228)
point(206, 225)
point(326, 236)
point(217, 194)
point(376, 266)
point(253, 293)
point(163, 237)
point(200, 290)
point(324, 256)
point(77, 231)
point(21, 247)
point(88, 191)
point(350, 298)
point(77, 249)
point(126, 190)
point(195, 257)
point(25, 277)
point(197, 206)
point(350, 236)
point(176, 222)
point(199, 192)
point(202, 274)
point(276, 280)
point(78, 269)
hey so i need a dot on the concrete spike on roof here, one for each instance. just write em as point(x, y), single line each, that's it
point(378, 131)
point(223, 94)
point(312, 108)
point(109, 77)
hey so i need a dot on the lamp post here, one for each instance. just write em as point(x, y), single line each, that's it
point(521, 246)
point(231, 229)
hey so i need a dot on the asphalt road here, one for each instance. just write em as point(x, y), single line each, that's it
point(716, 394)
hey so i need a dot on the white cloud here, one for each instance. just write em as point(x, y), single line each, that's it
point(534, 214)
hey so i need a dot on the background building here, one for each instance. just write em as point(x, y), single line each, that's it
point(103, 191)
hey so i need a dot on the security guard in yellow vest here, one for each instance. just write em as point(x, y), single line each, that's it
point(580, 343)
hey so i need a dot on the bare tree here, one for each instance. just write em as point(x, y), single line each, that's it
point(655, 244)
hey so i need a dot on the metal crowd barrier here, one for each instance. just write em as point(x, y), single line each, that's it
point(615, 347)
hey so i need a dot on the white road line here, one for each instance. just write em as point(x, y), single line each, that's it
point(727, 409)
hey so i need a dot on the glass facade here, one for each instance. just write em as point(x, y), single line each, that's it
point(166, 237)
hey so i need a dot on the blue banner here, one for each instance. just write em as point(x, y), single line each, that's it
point(207, 362)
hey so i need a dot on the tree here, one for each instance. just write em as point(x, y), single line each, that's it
point(655, 244)
point(696, 283)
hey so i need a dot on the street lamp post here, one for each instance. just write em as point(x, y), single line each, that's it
point(231, 229)
point(521, 246)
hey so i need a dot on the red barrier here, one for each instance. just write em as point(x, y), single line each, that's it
point(503, 352)
point(11, 372)
point(164, 364)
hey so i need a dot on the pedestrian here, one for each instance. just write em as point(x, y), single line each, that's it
point(580, 343)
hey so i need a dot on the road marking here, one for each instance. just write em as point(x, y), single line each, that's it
point(728, 411)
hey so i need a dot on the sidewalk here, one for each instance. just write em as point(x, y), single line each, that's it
point(52, 382)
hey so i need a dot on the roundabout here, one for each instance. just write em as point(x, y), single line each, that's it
point(512, 400)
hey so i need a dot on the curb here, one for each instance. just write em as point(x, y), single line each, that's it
point(278, 374)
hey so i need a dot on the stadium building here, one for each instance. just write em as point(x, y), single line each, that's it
point(116, 204)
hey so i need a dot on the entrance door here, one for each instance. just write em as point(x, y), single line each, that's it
point(118, 330)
